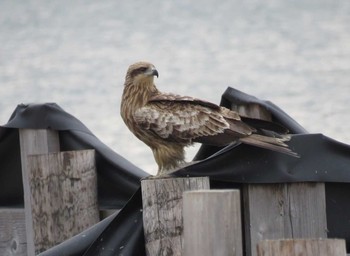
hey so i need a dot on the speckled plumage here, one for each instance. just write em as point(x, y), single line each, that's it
point(168, 122)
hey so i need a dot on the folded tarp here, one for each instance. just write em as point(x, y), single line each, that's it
point(118, 179)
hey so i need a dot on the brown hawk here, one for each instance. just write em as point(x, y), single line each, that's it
point(167, 122)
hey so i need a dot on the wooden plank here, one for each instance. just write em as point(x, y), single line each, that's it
point(13, 240)
point(63, 190)
point(302, 247)
point(39, 141)
point(162, 212)
point(34, 142)
point(212, 223)
point(276, 211)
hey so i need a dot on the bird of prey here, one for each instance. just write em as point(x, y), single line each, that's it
point(168, 122)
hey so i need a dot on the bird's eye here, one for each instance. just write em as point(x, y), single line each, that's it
point(138, 71)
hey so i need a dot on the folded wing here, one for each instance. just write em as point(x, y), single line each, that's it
point(186, 120)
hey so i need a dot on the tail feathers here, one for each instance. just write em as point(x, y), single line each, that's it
point(271, 143)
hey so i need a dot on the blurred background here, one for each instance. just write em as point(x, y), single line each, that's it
point(76, 53)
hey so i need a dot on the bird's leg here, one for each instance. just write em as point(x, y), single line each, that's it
point(168, 173)
point(183, 165)
point(164, 173)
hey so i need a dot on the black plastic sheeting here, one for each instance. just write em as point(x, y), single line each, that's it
point(118, 179)
point(322, 160)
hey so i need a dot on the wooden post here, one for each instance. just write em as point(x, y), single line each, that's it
point(296, 210)
point(63, 190)
point(212, 223)
point(12, 232)
point(34, 142)
point(60, 190)
point(302, 247)
point(162, 212)
point(283, 211)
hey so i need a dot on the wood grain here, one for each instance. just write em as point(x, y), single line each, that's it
point(63, 190)
point(13, 240)
point(275, 211)
point(162, 212)
point(34, 142)
point(212, 223)
point(302, 247)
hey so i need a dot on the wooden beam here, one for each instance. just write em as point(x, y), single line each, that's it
point(162, 212)
point(34, 142)
point(275, 211)
point(212, 223)
point(302, 247)
point(12, 232)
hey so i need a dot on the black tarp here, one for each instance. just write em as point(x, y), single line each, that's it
point(118, 179)
point(322, 160)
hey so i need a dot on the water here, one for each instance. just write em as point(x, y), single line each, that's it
point(75, 53)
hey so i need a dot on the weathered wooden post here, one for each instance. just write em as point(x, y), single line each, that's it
point(60, 190)
point(275, 211)
point(162, 212)
point(302, 247)
point(63, 190)
point(34, 142)
point(271, 211)
point(212, 223)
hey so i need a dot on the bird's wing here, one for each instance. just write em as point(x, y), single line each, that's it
point(186, 119)
point(185, 99)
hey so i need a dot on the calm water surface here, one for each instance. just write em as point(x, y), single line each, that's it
point(294, 53)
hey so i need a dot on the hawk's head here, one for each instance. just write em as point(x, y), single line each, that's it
point(141, 71)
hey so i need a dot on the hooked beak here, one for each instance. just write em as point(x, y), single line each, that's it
point(152, 72)
point(155, 73)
